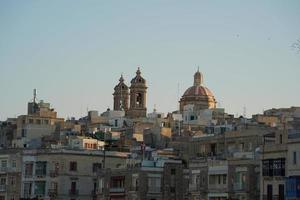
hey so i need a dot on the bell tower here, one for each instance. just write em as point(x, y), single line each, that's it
point(138, 90)
point(121, 95)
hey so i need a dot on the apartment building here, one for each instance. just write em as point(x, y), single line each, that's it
point(65, 174)
point(10, 174)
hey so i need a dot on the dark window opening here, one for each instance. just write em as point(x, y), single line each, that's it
point(73, 166)
point(173, 171)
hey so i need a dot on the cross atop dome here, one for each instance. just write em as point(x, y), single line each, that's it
point(121, 78)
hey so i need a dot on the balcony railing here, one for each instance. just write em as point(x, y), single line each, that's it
point(154, 190)
point(117, 190)
point(73, 192)
point(192, 187)
point(2, 188)
point(274, 197)
point(3, 169)
point(28, 175)
point(40, 175)
point(218, 187)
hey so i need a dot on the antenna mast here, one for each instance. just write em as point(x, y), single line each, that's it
point(34, 95)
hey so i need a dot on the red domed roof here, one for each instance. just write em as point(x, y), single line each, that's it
point(198, 91)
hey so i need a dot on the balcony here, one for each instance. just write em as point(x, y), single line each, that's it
point(39, 174)
point(218, 187)
point(274, 197)
point(2, 188)
point(154, 190)
point(274, 148)
point(238, 186)
point(73, 192)
point(52, 192)
point(192, 187)
point(117, 190)
point(3, 169)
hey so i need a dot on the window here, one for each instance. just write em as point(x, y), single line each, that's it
point(172, 189)
point(295, 158)
point(280, 139)
point(46, 121)
point(274, 167)
point(39, 188)
point(73, 166)
point(100, 185)
point(12, 180)
point(27, 189)
point(3, 165)
point(269, 192)
point(73, 188)
point(116, 122)
point(28, 169)
point(242, 147)
point(250, 146)
point(3, 181)
point(41, 168)
point(23, 132)
point(154, 184)
point(30, 121)
point(281, 192)
point(173, 171)
point(224, 179)
point(97, 167)
point(14, 163)
point(239, 180)
point(38, 121)
point(117, 182)
point(139, 99)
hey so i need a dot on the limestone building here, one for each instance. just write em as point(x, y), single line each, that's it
point(198, 95)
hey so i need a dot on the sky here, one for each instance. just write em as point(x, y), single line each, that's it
point(73, 52)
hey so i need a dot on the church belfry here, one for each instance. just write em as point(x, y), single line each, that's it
point(138, 90)
point(121, 95)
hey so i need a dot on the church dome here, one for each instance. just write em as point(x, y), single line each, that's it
point(198, 91)
point(198, 95)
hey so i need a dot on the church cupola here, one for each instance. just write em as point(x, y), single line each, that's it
point(121, 95)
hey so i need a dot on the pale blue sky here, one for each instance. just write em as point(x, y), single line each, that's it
point(73, 52)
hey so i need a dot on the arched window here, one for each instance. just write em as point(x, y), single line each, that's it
point(139, 99)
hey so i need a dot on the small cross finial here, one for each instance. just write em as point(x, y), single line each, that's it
point(121, 78)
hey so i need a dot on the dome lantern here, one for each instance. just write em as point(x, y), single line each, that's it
point(198, 78)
